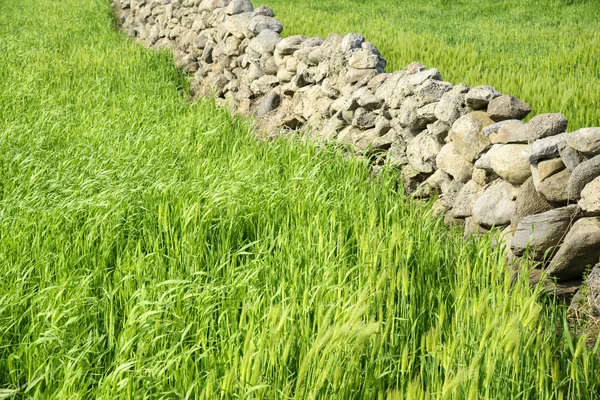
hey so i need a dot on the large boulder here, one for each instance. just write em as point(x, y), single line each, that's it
point(496, 205)
point(466, 135)
point(545, 125)
point(451, 162)
point(579, 251)
point(541, 232)
point(508, 163)
point(585, 141)
point(529, 202)
point(590, 197)
point(585, 172)
point(508, 107)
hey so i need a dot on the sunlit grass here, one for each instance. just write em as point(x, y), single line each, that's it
point(152, 248)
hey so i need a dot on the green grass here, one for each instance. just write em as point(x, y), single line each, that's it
point(543, 51)
point(152, 248)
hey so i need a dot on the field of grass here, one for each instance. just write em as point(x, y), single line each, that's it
point(544, 51)
point(152, 248)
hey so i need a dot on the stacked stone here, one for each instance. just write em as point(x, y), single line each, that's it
point(469, 145)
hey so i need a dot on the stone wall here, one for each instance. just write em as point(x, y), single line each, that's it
point(467, 145)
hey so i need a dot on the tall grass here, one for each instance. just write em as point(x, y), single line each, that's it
point(152, 248)
point(543, 51)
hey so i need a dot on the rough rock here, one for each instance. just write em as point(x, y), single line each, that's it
point(496, 205)
point(260, 22)
point(466, 135)
point(544, 149)
point(450, 161)
point(238, 7)
point(529, 202)
point(585, 141)
point(585, 172)
point(590, 197)
point(511, 131)
point(571, 157)
point(422, 152)
point(547, 168)
point(268, 104)
point(290, 45)
point(554, 188)
point(452, 105)
point(545, 125)
point(541, 232)
point(507, 162)
point(480, 96)
point(580, 250)
point(463, 204)
point(508, 107)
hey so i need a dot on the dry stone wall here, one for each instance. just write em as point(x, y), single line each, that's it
point(468, 145)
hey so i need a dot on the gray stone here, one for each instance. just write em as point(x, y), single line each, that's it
point(585, 141)
point(264, 10)
point(529, 202)
point(260, 22)
point(554, 188)
point(585, 172)
point(364, 60)
point(590, 197)
point(480, 96)
point(545, 125)
point(289, 45)
point(452, 105)
point(465, 200)
point(466, 135)
point(511, 131)
point(494, 128)
point(496, 205)
point(508, 163)
point(351, 41)
point(268, 104)
point(264, 84)
point(264, 42)
point(544, 149)
point(508, 107)
point(422, 152)
point(450, 161)
point(364, 119)
point(580, 249)
point(484, 162)
point(238, 7)
point(571, 157)
point(542, 232)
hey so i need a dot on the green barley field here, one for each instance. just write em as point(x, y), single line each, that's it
point(546, 52)
point(151, 248)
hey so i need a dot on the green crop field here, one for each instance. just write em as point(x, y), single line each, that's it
point(546, 52)
point(150, 247)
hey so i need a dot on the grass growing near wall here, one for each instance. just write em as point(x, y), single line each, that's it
point(151, 248)
point(544, 51)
